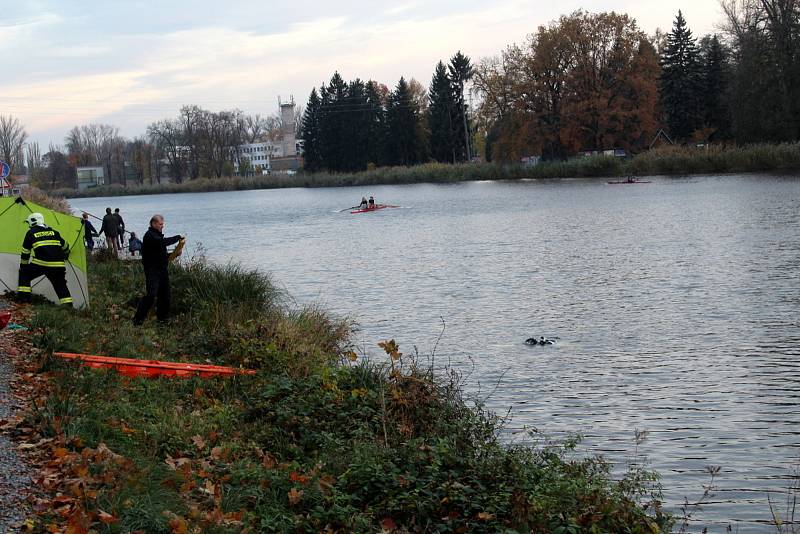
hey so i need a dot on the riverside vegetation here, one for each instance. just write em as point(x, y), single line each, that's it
point(317, 441)
point(668, 161)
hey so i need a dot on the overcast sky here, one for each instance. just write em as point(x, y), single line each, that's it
point(130, 63)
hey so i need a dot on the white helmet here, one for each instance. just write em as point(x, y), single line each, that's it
point(35, 219)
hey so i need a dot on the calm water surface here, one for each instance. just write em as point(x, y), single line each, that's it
point(675, 304)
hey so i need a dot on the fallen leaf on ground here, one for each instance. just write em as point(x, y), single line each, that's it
point(106, 518)
point(199, 442)
point(295, 496)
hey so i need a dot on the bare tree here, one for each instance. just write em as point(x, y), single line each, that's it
point(12, 139)
point(255, 127)
point(299, 111)
point(218, 136)
point(191, 119)
point(97, 144)
point(139, 155)
point(33, 157)
point(167, 138)
point(58, 173)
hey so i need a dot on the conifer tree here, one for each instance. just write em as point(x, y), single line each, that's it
point(309, 132)
point(714, 105)
point(440, 116)
point(403, 144)
point(375, 124)
point(461, 72)
point(681, 83)
point(332, 123)
point(356, 125)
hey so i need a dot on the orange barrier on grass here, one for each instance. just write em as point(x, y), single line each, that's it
point(153, 368)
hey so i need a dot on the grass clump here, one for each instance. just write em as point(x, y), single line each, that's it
point(316, 441)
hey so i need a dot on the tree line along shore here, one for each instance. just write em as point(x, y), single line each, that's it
point(667, 161)
point(584, 83)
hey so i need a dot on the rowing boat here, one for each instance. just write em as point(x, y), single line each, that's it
point(376, 208)
point(620, 182)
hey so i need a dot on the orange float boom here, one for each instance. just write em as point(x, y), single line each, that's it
point(153, 368)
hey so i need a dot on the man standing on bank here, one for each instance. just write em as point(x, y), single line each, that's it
point(155, 260)
point(44, 252)
point(110, 227)
point(120, 228)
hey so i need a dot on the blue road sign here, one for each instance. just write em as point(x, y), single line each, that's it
point(5, 169)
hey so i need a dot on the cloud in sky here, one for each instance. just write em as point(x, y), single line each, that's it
point(130, 63)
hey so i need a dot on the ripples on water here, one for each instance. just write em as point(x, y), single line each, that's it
point(676, 304)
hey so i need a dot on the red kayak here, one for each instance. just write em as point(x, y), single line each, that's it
point(152, 368)
point(627, 182)
point(376, 208)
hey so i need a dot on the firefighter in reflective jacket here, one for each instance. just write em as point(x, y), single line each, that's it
point(43, 253)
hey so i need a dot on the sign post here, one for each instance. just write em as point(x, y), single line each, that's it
point(5, 186)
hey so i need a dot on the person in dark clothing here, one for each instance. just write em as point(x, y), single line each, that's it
point(155, 260)
point(110, 227)
point(134, 244)
point(44, 252)
point(371, 202)
point(89, 233)
point(120, 228)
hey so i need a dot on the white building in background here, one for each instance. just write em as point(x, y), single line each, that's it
point(89, 177)
point(280, 156)
point(258, 156)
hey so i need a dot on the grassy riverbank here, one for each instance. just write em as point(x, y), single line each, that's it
point(663, 161)
point(317, 441)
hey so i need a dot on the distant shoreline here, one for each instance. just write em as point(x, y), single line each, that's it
point(667, 161)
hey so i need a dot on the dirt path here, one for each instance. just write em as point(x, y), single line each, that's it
point(14, 475)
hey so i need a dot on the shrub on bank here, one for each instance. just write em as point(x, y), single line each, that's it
point(313, 442)
point(37, 196)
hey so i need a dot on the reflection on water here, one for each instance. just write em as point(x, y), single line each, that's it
point(675, 304)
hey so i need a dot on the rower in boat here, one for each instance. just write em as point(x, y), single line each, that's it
point(363, 204)
point(371, 202)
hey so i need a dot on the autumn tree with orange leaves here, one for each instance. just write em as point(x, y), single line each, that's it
point(585, 82)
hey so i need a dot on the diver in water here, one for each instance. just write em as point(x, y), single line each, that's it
point(541, 341)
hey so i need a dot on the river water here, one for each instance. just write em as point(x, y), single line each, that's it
point(675, 304)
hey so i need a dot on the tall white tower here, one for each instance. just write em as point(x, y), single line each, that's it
point(288, 141)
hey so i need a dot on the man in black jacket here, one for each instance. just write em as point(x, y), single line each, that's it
point(120, 228)
point(156, 275)
point(110, 227)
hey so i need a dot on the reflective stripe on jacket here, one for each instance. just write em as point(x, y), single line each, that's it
point(44, 246)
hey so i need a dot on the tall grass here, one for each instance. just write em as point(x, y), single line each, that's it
point(671, 160)
point(40, 197)
point(224, 313)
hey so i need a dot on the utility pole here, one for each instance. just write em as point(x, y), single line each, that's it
point(466, 133)
point(466, 128)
